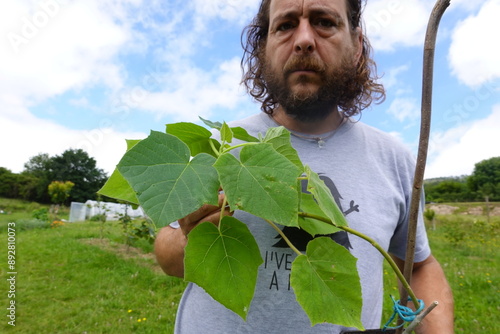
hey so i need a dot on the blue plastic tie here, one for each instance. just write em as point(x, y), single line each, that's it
point(405, 313)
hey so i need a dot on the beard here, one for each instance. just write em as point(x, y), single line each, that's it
point(336, 85)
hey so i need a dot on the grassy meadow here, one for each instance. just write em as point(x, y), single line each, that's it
point(83, 278)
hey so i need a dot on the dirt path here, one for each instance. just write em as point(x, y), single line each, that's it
point(443, 209)
point(126, 252)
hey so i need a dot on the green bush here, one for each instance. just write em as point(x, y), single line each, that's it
point(464, 229)
point(26, 224)
point(41, 214)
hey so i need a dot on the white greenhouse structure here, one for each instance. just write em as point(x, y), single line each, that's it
point(84, 211)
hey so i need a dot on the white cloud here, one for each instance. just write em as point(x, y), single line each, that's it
point(392, 23)
point(105, 145)
point(404, 109)
point(391, 78)
point(193, 92)
point(468, 5)
point(231, 10)
point(474, 54)
point(54, 46)
point(456, 151)
point(48, 48)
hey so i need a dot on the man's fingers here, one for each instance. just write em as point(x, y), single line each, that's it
point(210, 213)
point(204, 211)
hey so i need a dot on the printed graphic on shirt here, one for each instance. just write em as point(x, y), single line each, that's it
point(281, 262)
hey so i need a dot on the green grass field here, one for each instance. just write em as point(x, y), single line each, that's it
point(81, 278)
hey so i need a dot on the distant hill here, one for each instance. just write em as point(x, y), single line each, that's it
point(461, 179)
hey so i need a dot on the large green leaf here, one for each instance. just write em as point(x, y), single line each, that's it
point(117, 187)
point(168, 185)
point(326, 284)
point(196, 137)
point(314, 226)
point(224, 261)
point(280, 139)
point(263, 183)
point(324, 198)
point(132, 142)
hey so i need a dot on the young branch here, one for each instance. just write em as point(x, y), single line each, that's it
point(217, 153)
point(223, 207)
point(238, 146)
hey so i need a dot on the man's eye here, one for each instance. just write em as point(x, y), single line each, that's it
point(285, 26)
point(325, 23)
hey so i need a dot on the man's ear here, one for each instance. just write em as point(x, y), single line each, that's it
point(357, 41)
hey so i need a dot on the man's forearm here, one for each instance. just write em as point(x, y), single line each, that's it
point(169, 250)
point(429, 284)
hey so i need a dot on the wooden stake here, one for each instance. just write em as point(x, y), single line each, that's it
point(427, 81)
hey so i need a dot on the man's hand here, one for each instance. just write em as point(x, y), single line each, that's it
point(207, 213)
point(170, 242)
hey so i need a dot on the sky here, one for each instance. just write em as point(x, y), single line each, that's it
point(88, 74)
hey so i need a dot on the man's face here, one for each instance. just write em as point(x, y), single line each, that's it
point(310, 55)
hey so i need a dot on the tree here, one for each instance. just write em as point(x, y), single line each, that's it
point(37, 171)
point(77, 166)
point(485, 179)
point(450, 189)
point(59, 191)
point(72, 165)
point(29, 187)
point(8, 181)
point(38, 165)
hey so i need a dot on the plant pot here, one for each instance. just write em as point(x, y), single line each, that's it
point(373, 331)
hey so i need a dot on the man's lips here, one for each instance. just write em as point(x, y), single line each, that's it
point(303, 69)
point(303, 72)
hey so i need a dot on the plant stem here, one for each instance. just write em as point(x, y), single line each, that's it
point(238, 146)
point(223, 207)
point(217, 153)
point(382, 251)
point(284, 237)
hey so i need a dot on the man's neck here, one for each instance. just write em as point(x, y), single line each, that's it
point(330, 123)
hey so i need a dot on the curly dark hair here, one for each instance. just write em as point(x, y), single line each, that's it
point(254, 39)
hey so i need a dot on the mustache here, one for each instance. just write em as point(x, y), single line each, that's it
point(303, 63)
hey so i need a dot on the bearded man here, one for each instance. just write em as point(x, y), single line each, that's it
point(308, 63)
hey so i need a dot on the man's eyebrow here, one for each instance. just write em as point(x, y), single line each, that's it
point(292, 13)
point(327, 12)
point(285, 15)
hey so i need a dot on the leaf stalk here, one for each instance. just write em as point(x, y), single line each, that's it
point(289, 243)
point(229, 149)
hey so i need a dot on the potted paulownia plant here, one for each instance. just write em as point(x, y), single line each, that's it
point(174, 173)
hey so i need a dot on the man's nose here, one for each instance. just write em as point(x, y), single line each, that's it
point(305, 41)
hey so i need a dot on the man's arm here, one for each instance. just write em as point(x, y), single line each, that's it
point(429, 284)
point(169, 250)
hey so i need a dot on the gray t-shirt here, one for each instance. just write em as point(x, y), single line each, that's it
point(370, 175)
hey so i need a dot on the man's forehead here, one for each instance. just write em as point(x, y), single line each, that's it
point(299, 7)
